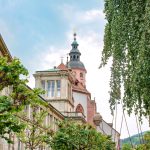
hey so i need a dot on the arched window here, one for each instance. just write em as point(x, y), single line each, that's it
point(79, 109)
point(81, 75)
point(74, 56)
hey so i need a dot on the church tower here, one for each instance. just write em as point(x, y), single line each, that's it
point(75, 64)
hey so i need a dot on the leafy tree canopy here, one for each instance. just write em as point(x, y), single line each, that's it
point(17, 97)
point(127, 42)
point(126, 147)
point(36, 134)
point(74, 136)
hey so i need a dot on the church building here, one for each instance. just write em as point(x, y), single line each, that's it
point(65, 87)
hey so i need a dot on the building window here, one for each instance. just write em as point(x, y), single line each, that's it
point(81, 75)
point(43, 84)
point(58, 85)
point(50, 119)
point(79, 109)
point(69, 92)
point(74, 73)
point(55, 124)
point(26, 110)
point(50, 88)
point(74, 57)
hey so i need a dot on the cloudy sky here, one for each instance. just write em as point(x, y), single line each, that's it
point(40, 33)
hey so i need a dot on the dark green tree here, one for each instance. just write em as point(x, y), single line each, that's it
point(74, 136)
point(127, 42)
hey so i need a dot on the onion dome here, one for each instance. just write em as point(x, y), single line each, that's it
point(75, 56)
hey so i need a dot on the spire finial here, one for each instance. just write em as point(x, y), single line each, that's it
point(74, 43)
point(74, 36)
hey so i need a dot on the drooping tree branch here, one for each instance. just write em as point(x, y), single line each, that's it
point(127, 41)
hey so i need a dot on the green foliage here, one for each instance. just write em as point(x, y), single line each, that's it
point(136, 142)
point(146, 145)
point(35, 134)
point(74, 136)
point(126, 147)
point(9, 76)
point(127, 42)
point(147, 140)
point(10, 72)
point(18, 96)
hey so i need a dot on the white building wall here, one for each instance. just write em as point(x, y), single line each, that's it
point(80, 98)
point(106, 129)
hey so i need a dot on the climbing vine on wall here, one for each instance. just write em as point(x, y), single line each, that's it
point(127, 42)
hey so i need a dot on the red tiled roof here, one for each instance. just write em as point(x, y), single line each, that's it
point(80, 88)
point(62, 67)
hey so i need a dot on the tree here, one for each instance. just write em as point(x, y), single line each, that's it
point(127, 42)
point(126, 147)
point(74, 136)
point(18, 96)
point(146, 144)
point(9, 76)
point(36, 134)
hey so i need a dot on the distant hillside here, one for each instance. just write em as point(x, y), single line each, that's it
point(135, 139)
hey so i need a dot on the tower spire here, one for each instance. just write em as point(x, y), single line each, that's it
point(75, 64)
point(74, 36)
point(74, 43)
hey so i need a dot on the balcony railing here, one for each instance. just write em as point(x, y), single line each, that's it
point(73, 114)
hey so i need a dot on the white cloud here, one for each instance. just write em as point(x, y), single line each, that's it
point(92, 15)
point(48, 58)
point(73, 15)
